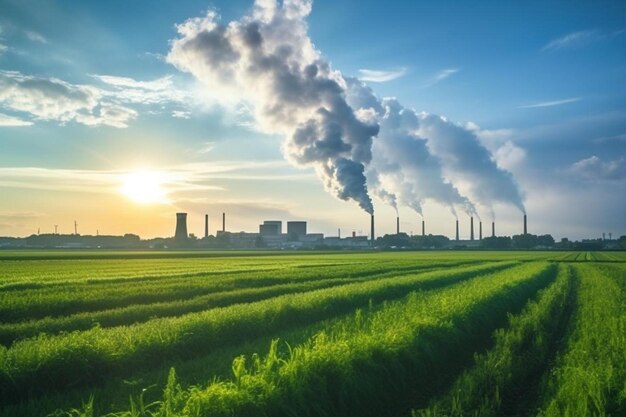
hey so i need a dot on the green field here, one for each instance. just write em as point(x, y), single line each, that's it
point(90, 333)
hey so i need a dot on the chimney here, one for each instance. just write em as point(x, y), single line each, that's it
point(206, 226)
point(457, 230)
point(423, 228)
point(480, 230)
point(525, 229)
point(181, 227)
point(372, 231)
point(472, 228)
point(398, 225)
point(493, 229)
point(353, 233)
point(339, 233)
point(223, 222)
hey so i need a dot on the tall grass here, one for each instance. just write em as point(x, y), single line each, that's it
point(590, 376)
point(503, 380)
point(361, 366)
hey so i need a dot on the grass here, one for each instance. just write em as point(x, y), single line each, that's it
point(90, 333)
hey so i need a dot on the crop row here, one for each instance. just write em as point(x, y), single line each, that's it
point(59, 301)
point(504, 380)
point(590, 375)
point(50, 362)
point(367, 364)
point(134, 313)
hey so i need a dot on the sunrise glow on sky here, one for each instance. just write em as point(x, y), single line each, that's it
point(119, 114)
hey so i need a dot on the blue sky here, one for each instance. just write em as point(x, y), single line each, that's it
point(541, 84)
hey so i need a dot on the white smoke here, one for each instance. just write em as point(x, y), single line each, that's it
point(401, 156)
point(268, 60)
point(466, 160)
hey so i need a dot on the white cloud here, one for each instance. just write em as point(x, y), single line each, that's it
point(128, 90)
point(3, 48)
point(551, 103)
point(57, 100)
point(11, 121)
point(180, 114)
point(381, 76)
point(36, 37)
point(440, 76)
point(162, 83)
point(576, 39)
point(595, 169)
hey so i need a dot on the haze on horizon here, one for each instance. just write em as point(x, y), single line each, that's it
point(119, 114)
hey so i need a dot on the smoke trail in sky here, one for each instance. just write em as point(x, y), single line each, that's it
point(267, 59)
point(334, 123)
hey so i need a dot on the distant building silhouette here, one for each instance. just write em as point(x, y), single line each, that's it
point(181, 227)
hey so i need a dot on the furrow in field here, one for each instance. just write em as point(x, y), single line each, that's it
point(367, 365)
point(504, 380)
point(589, 376)
point(47, 363)
point(37, 304)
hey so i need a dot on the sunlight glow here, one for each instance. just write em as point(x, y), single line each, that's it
point(145, 187)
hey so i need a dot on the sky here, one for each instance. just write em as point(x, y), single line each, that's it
point(119, 114)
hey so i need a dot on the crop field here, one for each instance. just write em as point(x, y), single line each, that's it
point(312, 334)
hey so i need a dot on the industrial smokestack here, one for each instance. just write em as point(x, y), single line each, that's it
point(353, 233)
point(493, 229)
point(525, 229)
point(181, 226)
point(423, 228)
point(339, 233)
point(457, 230)
point(206, 226)
point(372, 231)
point(398, 225)
point(480, 230)
point(223, 222)
point(471, 228)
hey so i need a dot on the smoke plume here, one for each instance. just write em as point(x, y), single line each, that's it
point(468, 162)
point(401, 156)
point(268, 60)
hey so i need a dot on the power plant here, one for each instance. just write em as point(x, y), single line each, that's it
point(270, 234)
point(181, 227)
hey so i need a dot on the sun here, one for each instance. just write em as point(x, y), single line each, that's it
point(144, 187)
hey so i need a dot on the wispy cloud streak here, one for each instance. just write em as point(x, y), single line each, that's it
point(551, 103)
point(440, 76)
point(381, 76)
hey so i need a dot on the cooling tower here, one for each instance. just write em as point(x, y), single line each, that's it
point(181, 226)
